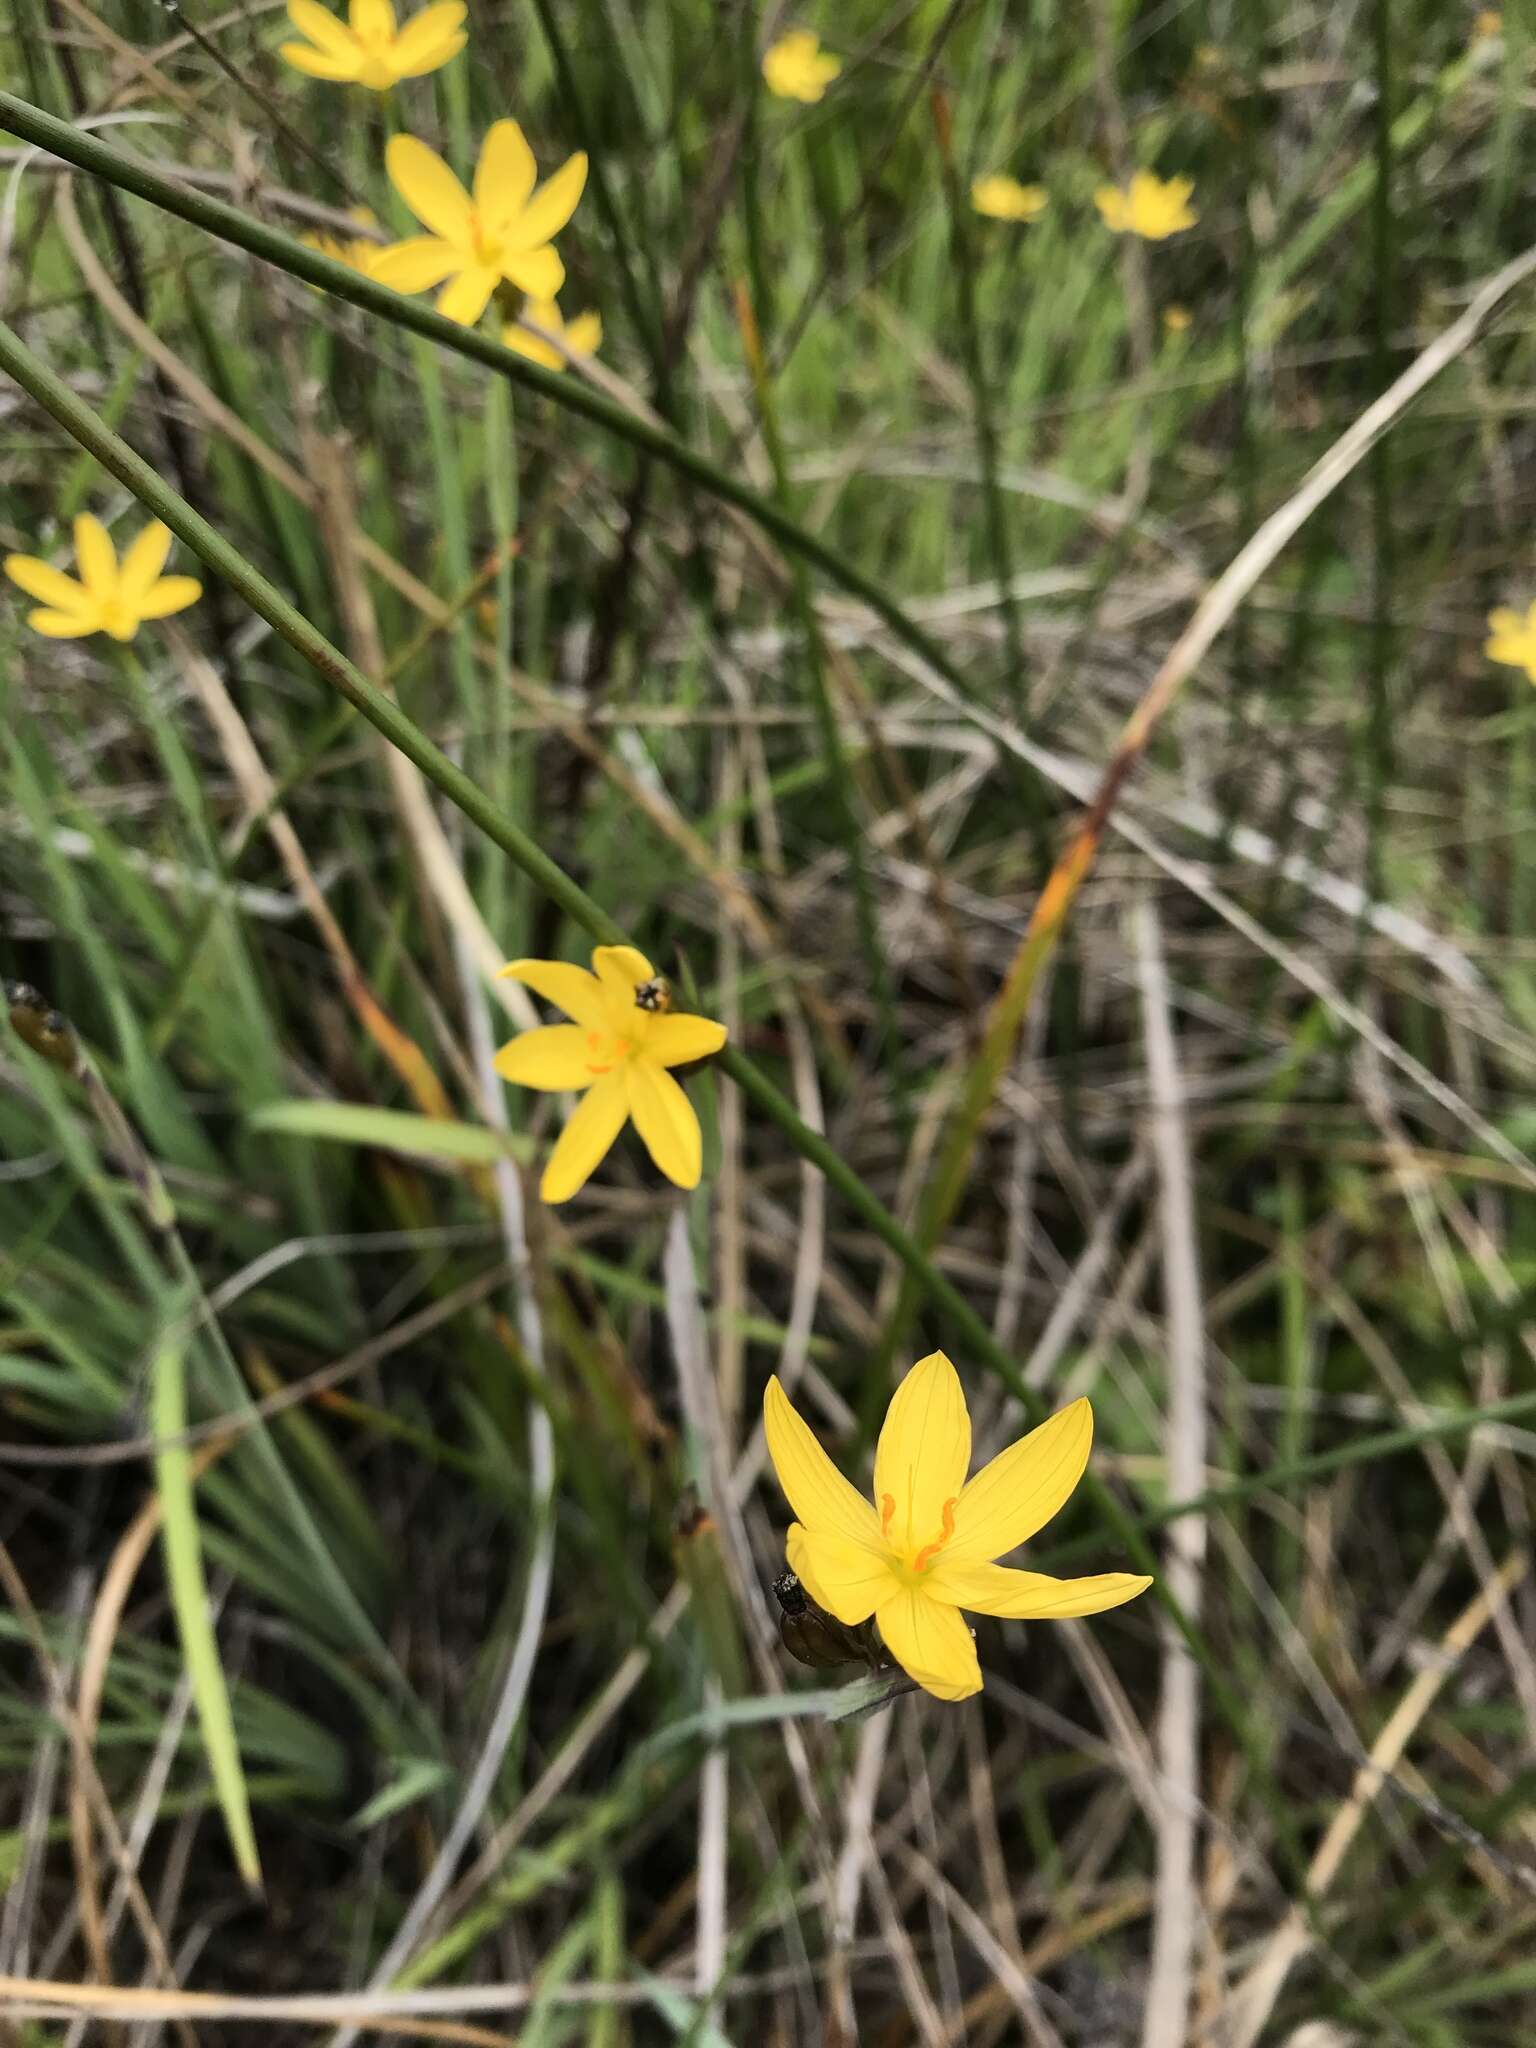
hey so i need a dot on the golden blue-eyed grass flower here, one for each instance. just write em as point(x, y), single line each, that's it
point(369, 48)
point(796, 67)
point(1149, 206)
point(926, 1548)
point(583, 336)
point(618, 1048)
point(1512, 638)
point(1000, 197)
point(110, 596)
point(499, 235)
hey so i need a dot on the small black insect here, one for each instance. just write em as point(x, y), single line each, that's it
point(654, 996)
point(812, 1636)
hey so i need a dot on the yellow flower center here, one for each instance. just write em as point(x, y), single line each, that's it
point(484, 243)
point(912, 1568)
point(605, 1049)
point(118, 619)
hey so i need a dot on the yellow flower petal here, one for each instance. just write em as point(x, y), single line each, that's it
point(1110, 201)
point(1017, 1494)
point(553, 1056)
point(64, 625)
point(672, 1041)
point(848, 1579)
point(582, 1145)
point(931, 1644)
point(584, 335)
point(322, 27)
point(429, 189)
point(1029, 1596)
point(505, 175)
point(372, 20)
point(42, 581)
point(96, 556)
point(340, 69)
point(621, 970)
point(571, 989)
point(665, 1119)
point(1003, 198)
point(549, 209)
point(923, 1455)
point(466, 297)
point(821, 1497)
point(144, 560)
point(533, 346)
point(170, 594)
point(539, 272)
point(430, 39)
point(1503, 620)
point(414, 265)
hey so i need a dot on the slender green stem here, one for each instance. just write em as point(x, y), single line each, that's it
point(839, 773)
point(962, 244)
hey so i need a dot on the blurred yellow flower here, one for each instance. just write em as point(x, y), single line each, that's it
point(111, 596)
point(623, 1038)
point(1003, 198)
point(372, 50)
point(1512, 639)
point(1176, 319)
point(1489, 23)
point(359, 254)
point(582, 336)
point(929, 1550)
point(1149, 206)
point(501, 234)
point(798, 68)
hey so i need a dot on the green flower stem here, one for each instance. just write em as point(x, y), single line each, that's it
point(89, 153)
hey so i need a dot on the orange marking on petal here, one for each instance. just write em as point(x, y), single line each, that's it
point(887, 1512)
point(925, 1556)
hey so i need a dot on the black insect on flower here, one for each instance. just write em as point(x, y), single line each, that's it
point(814, 1637)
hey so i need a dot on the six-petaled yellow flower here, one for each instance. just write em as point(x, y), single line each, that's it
point(926, 1549)
point(369, 48)
point(1512, 639)
point(796, 67)
point(622, 1039)
point(1149, 206)
point(359, 252)
point(582, 336)
point(1000, 197)
point(501, 235)
point(111, 596)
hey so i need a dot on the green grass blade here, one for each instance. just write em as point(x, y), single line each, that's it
point(189, 1602)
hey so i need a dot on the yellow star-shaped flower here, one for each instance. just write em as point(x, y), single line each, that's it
point(111, 596)
point(1000, 197)
point(796, 67)
point(926, 1549)
point(368, 48)
point(582, 336)
point(1149, 206)
point(1512, 639)
point(502, 234)
point(623, 1038)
